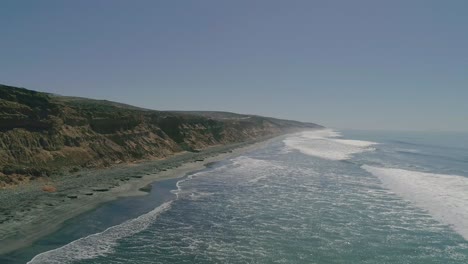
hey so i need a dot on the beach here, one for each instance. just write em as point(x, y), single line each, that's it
point(309, 197)
point(30, 213)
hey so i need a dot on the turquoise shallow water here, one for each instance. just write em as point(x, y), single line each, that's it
point(314, 197)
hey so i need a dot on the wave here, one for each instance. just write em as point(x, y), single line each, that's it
point(326, 144)
point(444, 196)
point(438, 146)
point(408, 151)
point(245, 162)
point(418, 153)
point(99, 244)
point(103, 243)
point(401, 142)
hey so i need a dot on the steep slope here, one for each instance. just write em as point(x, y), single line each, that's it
point(43, 134)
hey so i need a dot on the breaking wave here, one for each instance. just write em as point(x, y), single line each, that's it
point(99, 244)
point(444, 196)
point(326, 144)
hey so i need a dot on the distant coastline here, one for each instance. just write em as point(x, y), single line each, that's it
point(41, 213)
point(44, 135)
point(61, 156)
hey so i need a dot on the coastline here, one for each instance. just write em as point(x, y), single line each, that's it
point(47, 213)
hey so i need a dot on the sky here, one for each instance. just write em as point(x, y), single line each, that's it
point(388, 65)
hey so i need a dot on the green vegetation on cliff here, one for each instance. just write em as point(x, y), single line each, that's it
point(43, 134)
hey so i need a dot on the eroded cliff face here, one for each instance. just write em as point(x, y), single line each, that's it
point(42, 134)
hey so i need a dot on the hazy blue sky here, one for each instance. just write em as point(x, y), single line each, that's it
point(345, 64)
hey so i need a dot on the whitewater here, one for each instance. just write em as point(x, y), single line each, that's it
point(318, 196)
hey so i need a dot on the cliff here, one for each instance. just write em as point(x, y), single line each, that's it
point(43, 134)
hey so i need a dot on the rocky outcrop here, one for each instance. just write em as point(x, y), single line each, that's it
point(43, 134)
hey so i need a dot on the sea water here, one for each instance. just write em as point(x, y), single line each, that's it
point(310, 197)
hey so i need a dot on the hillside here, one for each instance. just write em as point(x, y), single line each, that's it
point(43, 134)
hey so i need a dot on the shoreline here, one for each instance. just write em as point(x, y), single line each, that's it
point(47, 213)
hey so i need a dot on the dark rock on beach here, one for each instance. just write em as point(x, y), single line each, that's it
point(146, 188)
point(101, 189)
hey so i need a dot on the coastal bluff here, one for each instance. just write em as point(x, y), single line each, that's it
point(44, 134)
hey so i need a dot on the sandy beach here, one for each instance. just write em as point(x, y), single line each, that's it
point(28, 213)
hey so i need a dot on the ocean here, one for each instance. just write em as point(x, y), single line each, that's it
point(311, 197)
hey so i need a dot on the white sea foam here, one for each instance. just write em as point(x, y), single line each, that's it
point(196, 195)
point(99, 244)
point(256, 170)
point(248, 162)
point(414, 151)
point(325, 144)
point(355, 143)
point(445, 197)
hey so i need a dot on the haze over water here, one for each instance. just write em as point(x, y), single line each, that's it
point(311, 197)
